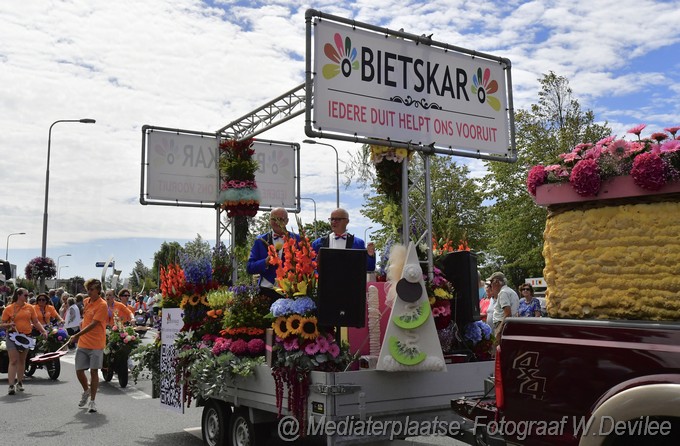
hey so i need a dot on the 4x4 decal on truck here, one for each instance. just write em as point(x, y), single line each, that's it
point(530, 383)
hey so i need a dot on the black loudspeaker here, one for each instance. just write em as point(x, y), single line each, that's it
point(6, 269)
point(460, 268)
point(342, 287)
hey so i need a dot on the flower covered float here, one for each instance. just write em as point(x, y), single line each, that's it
point(611, 248)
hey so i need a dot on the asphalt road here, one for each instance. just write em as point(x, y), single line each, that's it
point(47, 413)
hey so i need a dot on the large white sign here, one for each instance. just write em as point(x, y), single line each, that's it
point(382, 87)
point(183, 167)
point(276, 174)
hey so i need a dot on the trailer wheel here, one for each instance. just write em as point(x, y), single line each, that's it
point(214, 423)
point(241, 431)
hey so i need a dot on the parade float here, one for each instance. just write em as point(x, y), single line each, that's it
point(610, 241)
point(239, 353)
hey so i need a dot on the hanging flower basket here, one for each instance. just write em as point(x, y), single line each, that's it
point(238, 192)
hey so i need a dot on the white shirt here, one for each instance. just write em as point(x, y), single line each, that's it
point(506, 298)
point(340, 243)
point(72, 317)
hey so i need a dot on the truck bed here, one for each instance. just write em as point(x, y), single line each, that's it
point(367, 393)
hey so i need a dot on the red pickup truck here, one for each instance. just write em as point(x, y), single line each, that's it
point(577, 382)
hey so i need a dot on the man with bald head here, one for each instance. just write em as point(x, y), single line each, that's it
point(340, 239)
point(258, 263)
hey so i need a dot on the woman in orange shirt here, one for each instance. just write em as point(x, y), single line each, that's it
point(45, 311)
point(18, 317)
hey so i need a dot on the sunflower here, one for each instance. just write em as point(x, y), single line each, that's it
point(194, 300)
point(308, 329)
point(280, 327)
point(185, 300)
point(204, 300)
point(294, 324)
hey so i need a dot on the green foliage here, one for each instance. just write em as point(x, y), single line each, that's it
point(148, 357)
point(515, 224)
point(197, 248)
point(210, 375)
point(140, 276)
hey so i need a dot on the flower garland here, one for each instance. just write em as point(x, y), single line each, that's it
point(652, 162)
point(300, 344)
point(40, 267)
point(387, 162)
point(239, 195)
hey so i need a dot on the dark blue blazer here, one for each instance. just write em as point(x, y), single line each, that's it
point(352, 243)
point(257, 263)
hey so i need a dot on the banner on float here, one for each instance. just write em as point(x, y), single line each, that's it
point(171, 392)
point(373, 85)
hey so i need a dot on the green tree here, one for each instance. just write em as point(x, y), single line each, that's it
point(514, 222)
point(168, 253)
point(197, 248)
point(142, 276)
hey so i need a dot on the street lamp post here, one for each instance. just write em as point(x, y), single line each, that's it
point(337, 169)
point(58, 259)
point(7, 246)
point(47, 187)
point(365, 233)
point(316, 233)
point(59, 271)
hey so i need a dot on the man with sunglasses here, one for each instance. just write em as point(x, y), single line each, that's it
point(340, 239)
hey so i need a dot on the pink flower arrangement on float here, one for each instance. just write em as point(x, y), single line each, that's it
point(651, 162)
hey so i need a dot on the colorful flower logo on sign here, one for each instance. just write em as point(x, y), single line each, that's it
point(484, 87)
point(343, 56)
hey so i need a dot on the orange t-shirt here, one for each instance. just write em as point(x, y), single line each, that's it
point(45, 316)
point(121, 310)
point(21, 316)
point(94, 339)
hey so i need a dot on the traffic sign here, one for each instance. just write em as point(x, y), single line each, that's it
point(101, 264)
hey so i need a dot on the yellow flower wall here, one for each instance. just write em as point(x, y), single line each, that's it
point(614, 262)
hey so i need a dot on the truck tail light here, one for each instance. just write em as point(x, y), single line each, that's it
point(498, 380)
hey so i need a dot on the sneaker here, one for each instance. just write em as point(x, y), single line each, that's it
point(20, 386)
point(93, 407)
point(11, 390)
point(83, 398)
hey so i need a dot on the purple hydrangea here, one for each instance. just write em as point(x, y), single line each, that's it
point(281, 307)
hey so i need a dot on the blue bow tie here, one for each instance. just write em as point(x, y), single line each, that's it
point(343, 236)
point(276, 236)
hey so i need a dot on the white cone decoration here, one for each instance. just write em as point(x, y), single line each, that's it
point(411, 342)
point(373, 303)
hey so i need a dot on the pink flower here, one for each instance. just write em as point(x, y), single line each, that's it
point(132, 338)
point(255, 346)
point(659, 136)
point(114, 328)
point(585, 178)
point(593, 153)
point(536, 177)
point(239, 347)
point(334, 350)
point(312, 348)
point(670, 146)
point(322, 343)
point(126, 340)
point(557, 170)
point(637, 129)
point(618, 148)
point(634, 148)
point(291, 344)
point(672, 130)
point(571, 157)
point(649, 171)
point(436, 311)
point(605, 141)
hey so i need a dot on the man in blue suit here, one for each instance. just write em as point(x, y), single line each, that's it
point(258, 263)
point(340, 239)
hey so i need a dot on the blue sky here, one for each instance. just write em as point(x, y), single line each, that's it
point(199, 65)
